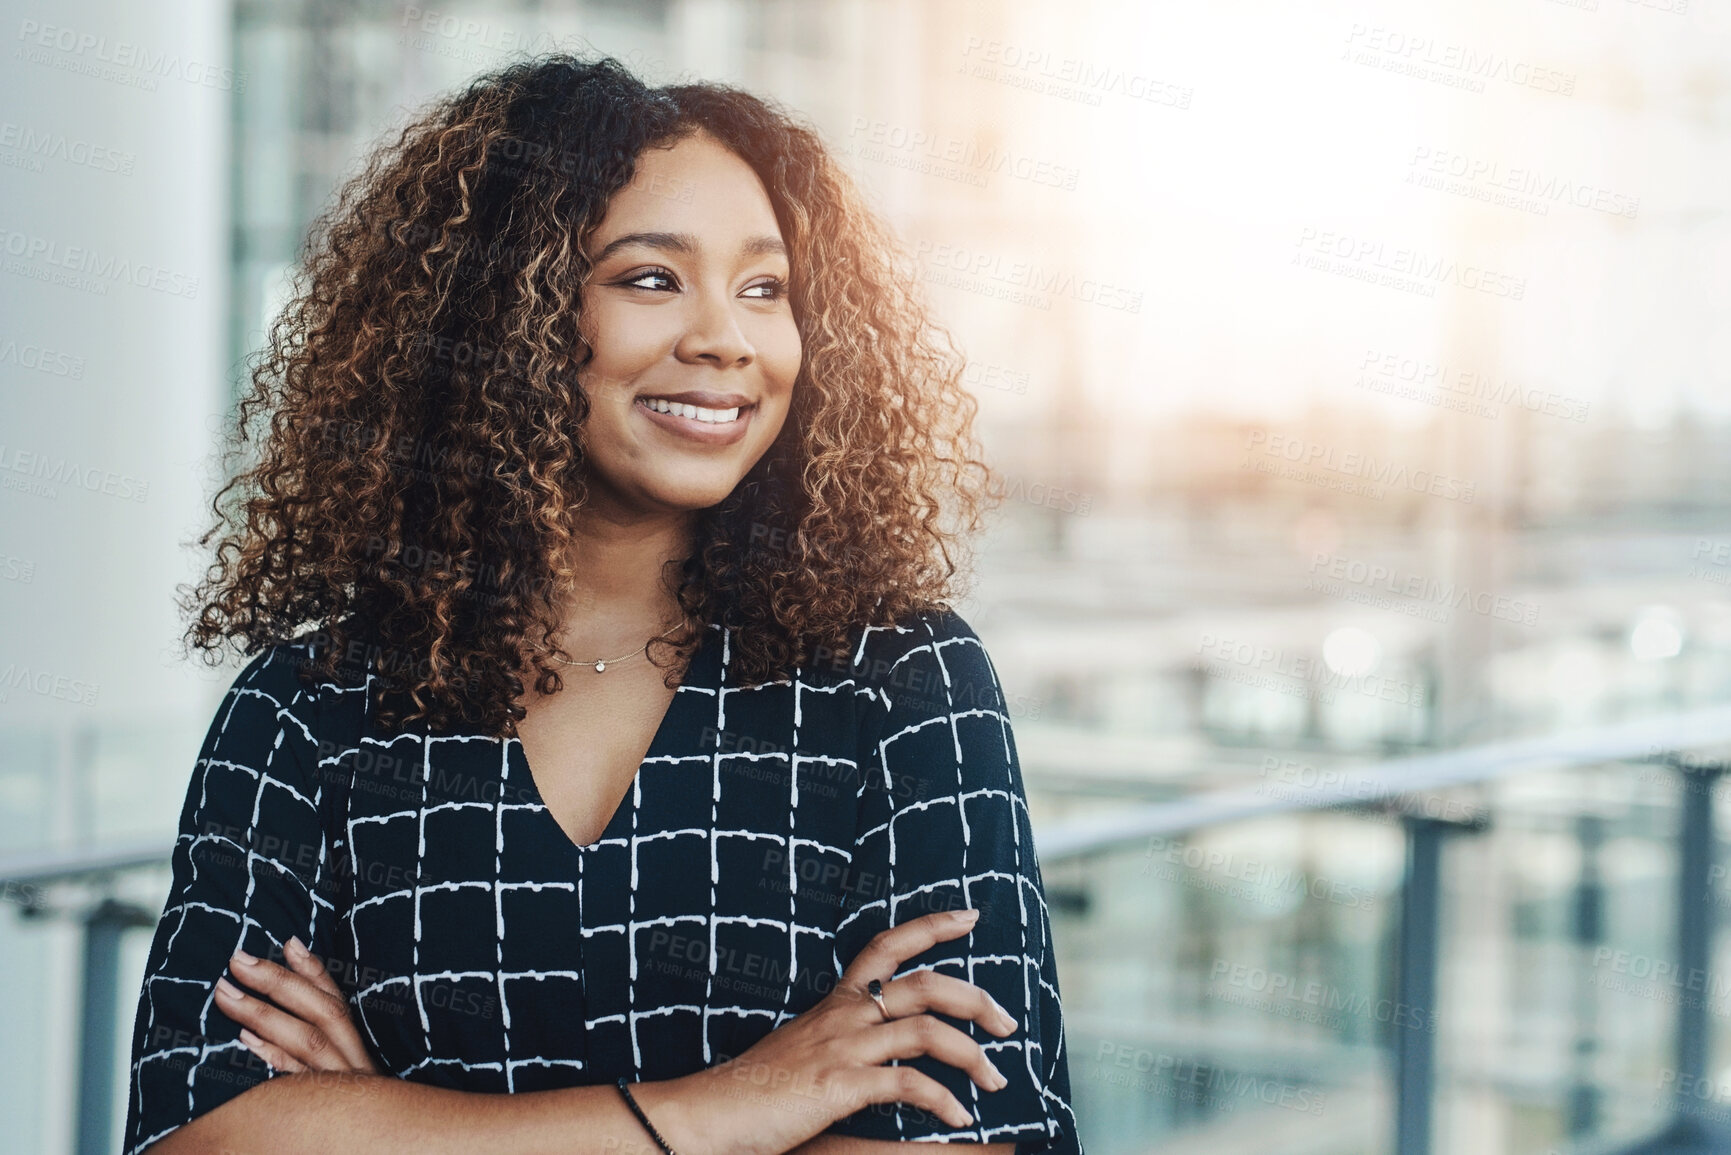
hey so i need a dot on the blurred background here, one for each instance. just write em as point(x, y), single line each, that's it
point(1360, 378)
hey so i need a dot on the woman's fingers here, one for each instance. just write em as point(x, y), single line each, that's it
point(888, 949)
point(309, 966)
point(289, 1035)
point(907, 1085)
point(839, 1049)
point(929, 990)
point(925, 1035)
point(341, 1027)
point(911, 1031)
point(270, 1052)
point(313, 1024)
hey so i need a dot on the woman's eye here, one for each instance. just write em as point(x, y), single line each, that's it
point(776, 286)
point(658, 274)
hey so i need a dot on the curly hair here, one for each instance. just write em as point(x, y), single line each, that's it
point(412, 494)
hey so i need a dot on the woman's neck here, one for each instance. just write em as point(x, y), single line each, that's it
point(624, 589)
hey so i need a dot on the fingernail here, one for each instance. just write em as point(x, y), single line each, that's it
point(965, 915)
point(1003, 1080)
point(296, 948)
point(228, 989)
point(250, 1039)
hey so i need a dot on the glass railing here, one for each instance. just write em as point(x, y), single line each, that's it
point(1505, 948)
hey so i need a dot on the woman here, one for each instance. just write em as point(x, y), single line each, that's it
point(577, 364)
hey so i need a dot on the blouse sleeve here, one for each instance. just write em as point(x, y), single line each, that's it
point(943, 824)
point(249, 869)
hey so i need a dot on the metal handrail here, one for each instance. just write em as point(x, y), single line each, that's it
point(34, 867)
point(1389, 780)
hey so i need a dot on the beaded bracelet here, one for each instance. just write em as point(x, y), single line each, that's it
point(641, 1117)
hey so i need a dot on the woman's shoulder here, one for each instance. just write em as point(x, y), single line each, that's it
point(282, 671)
point(296, 664)
point(288, 678)
point(921, 626)
point(929, 658)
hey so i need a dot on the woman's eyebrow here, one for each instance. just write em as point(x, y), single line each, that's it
point(759, 245)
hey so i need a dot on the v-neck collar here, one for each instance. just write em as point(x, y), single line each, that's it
point(700, 681)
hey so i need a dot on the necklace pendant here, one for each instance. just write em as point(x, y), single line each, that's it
point(600, 666)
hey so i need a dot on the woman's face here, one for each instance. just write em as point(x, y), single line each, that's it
point(686, 306)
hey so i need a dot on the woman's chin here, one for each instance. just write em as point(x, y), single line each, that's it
point(692, 494)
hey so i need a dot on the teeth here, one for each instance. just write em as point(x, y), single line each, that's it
point(696, 413)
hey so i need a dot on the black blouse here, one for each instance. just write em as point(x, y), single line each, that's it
point(769, 833)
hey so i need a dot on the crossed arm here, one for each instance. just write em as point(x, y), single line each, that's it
point(317, 1034)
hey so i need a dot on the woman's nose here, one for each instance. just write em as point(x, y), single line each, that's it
point(712, 333)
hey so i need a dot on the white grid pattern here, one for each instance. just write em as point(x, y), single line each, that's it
point(470, 965)
point(948, 827)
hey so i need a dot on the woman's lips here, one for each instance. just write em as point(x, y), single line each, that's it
point(703, 432)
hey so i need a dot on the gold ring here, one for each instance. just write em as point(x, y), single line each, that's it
point(876, 990)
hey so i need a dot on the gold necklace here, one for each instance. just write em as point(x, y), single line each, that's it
point(600, 664)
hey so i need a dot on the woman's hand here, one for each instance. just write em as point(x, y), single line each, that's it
point(827, 1063)
point(312, 1030)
